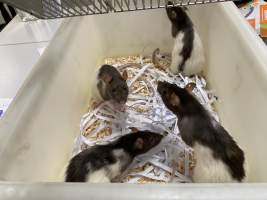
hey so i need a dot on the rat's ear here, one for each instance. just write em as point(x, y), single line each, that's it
point(175, 100)
point(139, 144)
point(170, 3)
point(106, 78)
point(156, 51)
point(125, 75)
point(190, 87)
point(134, 129)
point(155, 55)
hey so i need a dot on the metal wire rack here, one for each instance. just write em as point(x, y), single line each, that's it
point(50, 9)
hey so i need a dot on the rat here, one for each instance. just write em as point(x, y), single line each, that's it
point(103, 163)
point(218, 157)
point(187, 54)
point(161, 61)
point(110, 85)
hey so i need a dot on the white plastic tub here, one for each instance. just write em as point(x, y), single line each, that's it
point(38, 130)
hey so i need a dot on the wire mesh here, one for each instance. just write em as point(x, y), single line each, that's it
point(50, 9)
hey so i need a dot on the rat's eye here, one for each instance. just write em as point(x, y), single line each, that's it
point(113, 90)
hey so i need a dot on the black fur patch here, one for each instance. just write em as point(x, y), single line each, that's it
point(188, 46)
point(182, 23)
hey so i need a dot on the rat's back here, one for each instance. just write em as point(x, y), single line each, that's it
point(87, 162)
point(99, 164)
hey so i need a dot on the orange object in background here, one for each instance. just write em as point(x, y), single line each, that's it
point(263, 13)
point(255, 13)
point(263, 32)
point(252, 22)
point(263, 20)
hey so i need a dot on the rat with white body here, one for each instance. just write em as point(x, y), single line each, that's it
point(110, 85)
point(218, 158)
point(187, 54)
point(104, 163)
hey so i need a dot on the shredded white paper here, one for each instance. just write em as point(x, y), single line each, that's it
point(172, 160)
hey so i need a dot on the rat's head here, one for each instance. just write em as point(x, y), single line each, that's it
point(178, 18)
point(116, 87)
point(176, 13)
point(140, 142)
point(179, 100)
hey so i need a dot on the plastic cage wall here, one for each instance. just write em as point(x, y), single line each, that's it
point(50, 9)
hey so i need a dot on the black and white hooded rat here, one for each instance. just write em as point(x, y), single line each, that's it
point(104, 163)
point(218, 157)
point(187, 54)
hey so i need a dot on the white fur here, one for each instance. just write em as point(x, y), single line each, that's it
point(208, 169)
point(99, 176)
point(107, 173)
point(195, 63)
point(177, 48)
